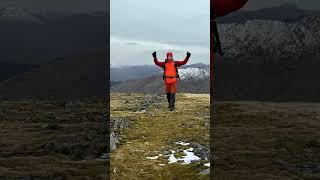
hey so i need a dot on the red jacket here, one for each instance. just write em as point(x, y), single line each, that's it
point(178, 63)
point(224, 7)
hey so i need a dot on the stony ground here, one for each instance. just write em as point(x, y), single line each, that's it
point(145, 133)
point(255, 140)
point(53, 139)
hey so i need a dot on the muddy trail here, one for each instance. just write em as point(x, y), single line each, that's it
point(53, 139)
point(150, 142)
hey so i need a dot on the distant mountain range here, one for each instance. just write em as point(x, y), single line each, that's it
point(271, 39)
point(48, 54)
point(269, 57)
point(81, 76)
point(194, 78)
point(286, 13)
point(123, 73)
point(37, 38)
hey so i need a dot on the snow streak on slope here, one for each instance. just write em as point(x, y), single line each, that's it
point(194, 73)
point(271, 38)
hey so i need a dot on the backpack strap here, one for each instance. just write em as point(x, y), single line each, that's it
point(164, 70)
point(177, 72)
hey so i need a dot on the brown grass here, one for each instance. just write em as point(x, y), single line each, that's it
point(254, 140)
point(28, 126)
point(155, 132)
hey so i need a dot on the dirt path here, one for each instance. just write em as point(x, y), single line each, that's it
point(157, 136)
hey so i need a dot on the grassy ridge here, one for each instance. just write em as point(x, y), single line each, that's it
point(255, 140)
point(154, 132)
point(52, 139)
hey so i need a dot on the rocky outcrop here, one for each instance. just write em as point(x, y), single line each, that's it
point(116, 125)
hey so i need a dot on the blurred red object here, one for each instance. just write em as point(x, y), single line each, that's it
point(224, 7)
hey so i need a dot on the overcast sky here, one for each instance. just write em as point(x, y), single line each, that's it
point(138, 29)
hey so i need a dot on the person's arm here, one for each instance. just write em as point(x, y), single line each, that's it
point(180, 63)
point(156, 62)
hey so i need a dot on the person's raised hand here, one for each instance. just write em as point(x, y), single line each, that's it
point(188, 54)
point(154, 54)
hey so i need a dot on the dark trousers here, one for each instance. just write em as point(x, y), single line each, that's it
point(171, 90)
point(171, 99)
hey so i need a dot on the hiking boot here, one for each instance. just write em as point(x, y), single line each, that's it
point(171, 107)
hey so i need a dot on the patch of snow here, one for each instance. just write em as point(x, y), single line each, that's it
point(161, 164)
point(142, 111)
point(189, 157)
point(182, 143)
point(190, 149)
point(172, 159)
point(152, 158)
point(207, 164)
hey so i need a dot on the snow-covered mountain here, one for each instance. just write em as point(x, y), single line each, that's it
point(191, 71)
point(286, 12)
point(17, 14)
point(194, 73)
point(123, 72)
point(271, 38)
